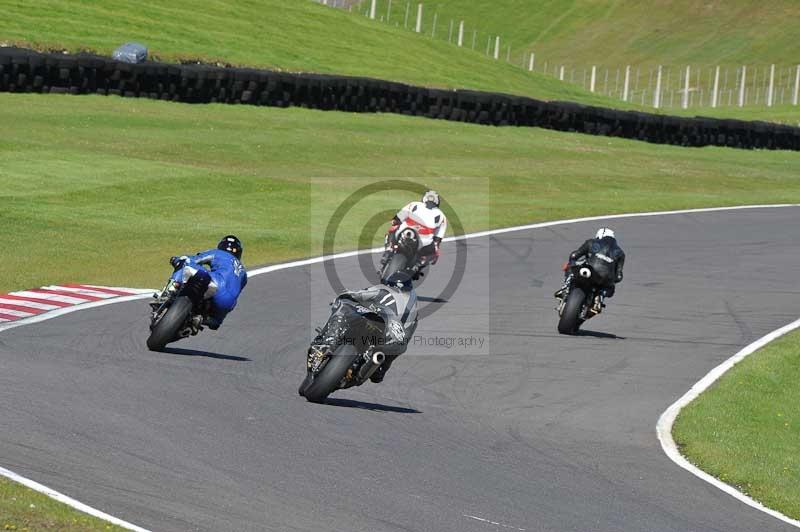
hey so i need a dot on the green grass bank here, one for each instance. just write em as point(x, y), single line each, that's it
point(25, 510)
point(744, 430)
point(104, 189)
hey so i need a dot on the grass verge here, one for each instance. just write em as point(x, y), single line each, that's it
point(104, 190)
point(744, 430)
point(23, 509)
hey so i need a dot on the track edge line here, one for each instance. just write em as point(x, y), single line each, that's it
point(667, 420)
point(69, 501)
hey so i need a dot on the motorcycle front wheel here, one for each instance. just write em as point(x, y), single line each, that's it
point(166, 329)
point(330, 376)
point(570, 319)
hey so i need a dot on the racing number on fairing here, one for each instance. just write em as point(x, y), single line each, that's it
point(237, 268)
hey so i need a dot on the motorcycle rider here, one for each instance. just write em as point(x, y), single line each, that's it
point(430, 253)
point(222, 284)
point(605, 256)
point(395, 300)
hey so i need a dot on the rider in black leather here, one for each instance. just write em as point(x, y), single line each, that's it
point(605, 256)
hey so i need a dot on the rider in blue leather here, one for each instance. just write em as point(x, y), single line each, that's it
point(222, 283)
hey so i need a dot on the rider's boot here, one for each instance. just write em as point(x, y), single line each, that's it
point(598, 305)
point(212, 322)
point(419, 269)
point(561, 292)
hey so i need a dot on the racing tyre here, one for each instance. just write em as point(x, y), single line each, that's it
point(397, 263)
point(167, 327)
point(303, 385)
point(328, 379)
point(570, 318)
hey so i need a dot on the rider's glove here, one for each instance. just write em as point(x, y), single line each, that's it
point(395, 333)
point(177, 262)
point(566, 266)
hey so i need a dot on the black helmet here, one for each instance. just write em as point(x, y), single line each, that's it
point(232, 245)
point(431, 199)
point(399, 280)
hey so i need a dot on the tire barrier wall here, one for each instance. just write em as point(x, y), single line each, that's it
point(28, 71)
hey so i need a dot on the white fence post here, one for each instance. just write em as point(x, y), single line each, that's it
point(497, 47)
point(657, 93)
point(533, 59)
point(796, 94)
point(715, 94)
point(686, 79)
point(372, 8)
point(771, 85)
point(433, 31)
point(593, 78)
point(561, 73)
point(405, 21)
point(741, 87)
point(626, 84)
point(389, 11)
point(461, 34)
point(419, 18)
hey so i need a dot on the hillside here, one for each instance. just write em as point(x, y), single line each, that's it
point(296, 36)
point(307, 36)
point(622, 32)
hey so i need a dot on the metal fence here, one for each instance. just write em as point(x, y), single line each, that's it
point(658, 86)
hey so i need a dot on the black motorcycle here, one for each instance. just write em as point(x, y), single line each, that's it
point(583, 300)
point(347, 353)
point(402, 254)
point(177, 313)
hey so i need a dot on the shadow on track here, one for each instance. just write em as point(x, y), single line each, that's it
point(207, 354)
point(598, 334)
point(426, 299)
point(350, 403)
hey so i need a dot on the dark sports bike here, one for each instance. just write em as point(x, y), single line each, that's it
point(346, 353)
point(583, 299)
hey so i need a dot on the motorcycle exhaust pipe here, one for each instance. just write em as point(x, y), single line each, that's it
point(369, 367)
point(585, 273)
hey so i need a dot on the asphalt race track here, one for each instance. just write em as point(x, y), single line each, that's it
point(531, 431)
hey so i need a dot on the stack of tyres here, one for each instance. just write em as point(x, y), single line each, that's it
point(28, 71)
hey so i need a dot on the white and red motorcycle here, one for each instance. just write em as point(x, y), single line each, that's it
point(410, 247)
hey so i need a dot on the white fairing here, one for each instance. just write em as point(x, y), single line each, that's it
point(428, 223)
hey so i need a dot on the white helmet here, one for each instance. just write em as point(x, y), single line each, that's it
point(604, 232)
point(431, 196)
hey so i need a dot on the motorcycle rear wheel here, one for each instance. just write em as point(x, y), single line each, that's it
point(328, 379)
point(570, 319)
point(166, 329)
point(397, 263)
